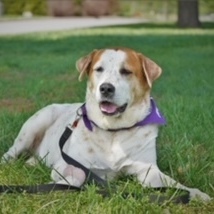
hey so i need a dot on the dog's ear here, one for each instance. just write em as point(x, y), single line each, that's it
point(151, 69)
point(83, 64)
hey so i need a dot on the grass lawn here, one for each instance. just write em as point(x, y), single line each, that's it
point(39, 69)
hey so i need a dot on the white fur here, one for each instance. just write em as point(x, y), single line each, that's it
point(132, 151)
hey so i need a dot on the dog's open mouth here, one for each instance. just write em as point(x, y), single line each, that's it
point(110, 109)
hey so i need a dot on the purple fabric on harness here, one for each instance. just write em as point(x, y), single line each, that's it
point(154, 117)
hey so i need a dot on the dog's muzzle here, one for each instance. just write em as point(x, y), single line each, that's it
point(107, 106)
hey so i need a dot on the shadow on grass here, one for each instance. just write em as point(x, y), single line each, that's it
point(205, 25)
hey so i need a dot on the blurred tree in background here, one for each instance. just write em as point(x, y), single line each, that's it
point(155, 10)
point(188, 13)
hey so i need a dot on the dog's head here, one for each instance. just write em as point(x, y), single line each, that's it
point(119, 84)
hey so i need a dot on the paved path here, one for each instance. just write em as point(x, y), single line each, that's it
point(22, 26)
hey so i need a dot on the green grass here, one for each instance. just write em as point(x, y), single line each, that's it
point(39, 69)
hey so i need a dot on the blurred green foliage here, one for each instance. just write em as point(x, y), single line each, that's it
point(165, 7)
point(126, 7)
point(206, 6)
point(17, 7)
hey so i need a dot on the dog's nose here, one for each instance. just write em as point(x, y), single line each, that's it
point(107, 89)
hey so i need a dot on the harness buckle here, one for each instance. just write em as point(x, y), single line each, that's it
point(73, 125)
point(70, 126)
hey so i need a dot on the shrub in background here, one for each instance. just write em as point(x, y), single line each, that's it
point(60, 7)
point(64, 7)
point(81, 7)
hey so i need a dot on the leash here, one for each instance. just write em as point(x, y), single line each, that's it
point(90, 176)
point(45, 188)
point(42, 188)
point(179, 196)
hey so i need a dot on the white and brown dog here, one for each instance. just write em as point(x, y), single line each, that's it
point(119, 130)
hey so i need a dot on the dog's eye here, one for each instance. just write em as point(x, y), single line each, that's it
point(99, 69)
point(125, 71)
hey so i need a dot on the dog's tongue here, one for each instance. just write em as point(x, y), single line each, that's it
point(107, 107)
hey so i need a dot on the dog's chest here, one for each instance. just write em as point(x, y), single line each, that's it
point(112, 150)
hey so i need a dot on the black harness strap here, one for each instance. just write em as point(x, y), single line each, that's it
point(92, 178)
point(42, 188)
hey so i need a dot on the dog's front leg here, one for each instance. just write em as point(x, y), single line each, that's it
point(151, 176)
point(64, 173)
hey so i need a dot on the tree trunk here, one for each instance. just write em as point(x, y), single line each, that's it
point(188, 13)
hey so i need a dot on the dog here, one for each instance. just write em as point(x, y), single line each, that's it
point(121, 128)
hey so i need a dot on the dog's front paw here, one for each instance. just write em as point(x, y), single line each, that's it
point(197, 194)
point(7, 158)
point(69, 175)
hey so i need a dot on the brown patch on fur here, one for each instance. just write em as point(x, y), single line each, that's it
point(138, 80)
point(147, 134)
point(134, 64)
point(95, 57)
point(151, 70)
point(85, 64)
point(90, 150)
